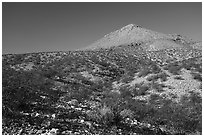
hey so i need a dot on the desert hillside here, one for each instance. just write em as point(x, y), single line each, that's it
point(133, 81)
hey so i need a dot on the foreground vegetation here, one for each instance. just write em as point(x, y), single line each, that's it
point(72, 93)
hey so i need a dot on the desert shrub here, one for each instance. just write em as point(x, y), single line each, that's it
point(114, 100)
point(139, 107)
point(199, 69)
point(21, 89)
point(188, 65)
point(126, 113)
point(179, 78)
point(127, 78)
point(197, 76)
point(125, 92)
point(183, 117)
point(191, 63)
point(107, 114)
point(49, 72)
point(103, 115)
point(19, 59)
point(140, 90)
point(144, 88)
point(129, 73)
point(158, 87)
point(116, 105)
point(188, 115)
point(149, 68)
point(155, 69)
point(152, 78)
point(80, 93)
point(133, 68)
point(106, 82)
point(163, 76)
point(174, 68)
point(144, 72)
point(105, 110)
point(93, 115)
point(116, 72)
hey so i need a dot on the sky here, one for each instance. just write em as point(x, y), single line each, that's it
point(43, 27)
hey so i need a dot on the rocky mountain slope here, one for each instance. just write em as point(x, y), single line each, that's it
point(132, 81)
point(132, 34)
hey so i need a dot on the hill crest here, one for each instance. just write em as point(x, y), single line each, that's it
point(128, 34)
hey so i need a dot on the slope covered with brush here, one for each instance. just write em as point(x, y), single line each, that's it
point(142, 83)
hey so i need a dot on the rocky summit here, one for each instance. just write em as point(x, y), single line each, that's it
point(133, 81)
point(132, 34)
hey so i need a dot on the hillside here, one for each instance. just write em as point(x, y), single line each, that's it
point(132, 34)
point(133, 81)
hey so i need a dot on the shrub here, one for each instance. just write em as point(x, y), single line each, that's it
point(182, 118)
point(155, 69)
point(126, 113)
point(80, 94)
point(179, 78)
point(93, 115)
point(140, 90)
point(139, 107)
point(143, 89)
point(144, 72)
point(21, 89)
point(187, 65)
point(125, 92)
point(191, 63)
point(103, 115)
point(127, 79)
point(106, 114)
point(152, 78)
point(197, 76)
point(158, 87)
point(174, 69)
point(162, 76)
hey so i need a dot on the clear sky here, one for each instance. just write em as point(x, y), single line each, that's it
point(39, 27)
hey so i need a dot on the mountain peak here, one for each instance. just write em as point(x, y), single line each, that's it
point(128, 34)
point(130, 27)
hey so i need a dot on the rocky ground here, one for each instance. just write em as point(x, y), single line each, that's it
point(132, 89)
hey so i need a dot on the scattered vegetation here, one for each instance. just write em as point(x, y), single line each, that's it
point(196, 76)
point(56, 98)
point(127, 78)
point(163, 76)
point(179, 78)
point(173, 68)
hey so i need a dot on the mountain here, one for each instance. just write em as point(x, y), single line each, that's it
point(131, 81)
point(132, 33)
